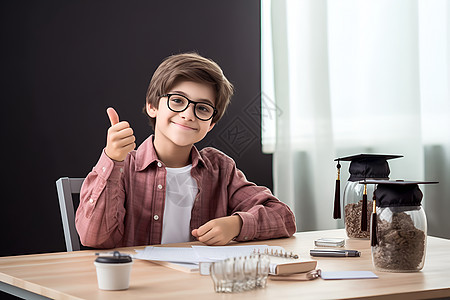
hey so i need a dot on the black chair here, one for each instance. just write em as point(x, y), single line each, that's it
point(66, 188)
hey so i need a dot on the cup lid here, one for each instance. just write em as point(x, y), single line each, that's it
point(116, 258)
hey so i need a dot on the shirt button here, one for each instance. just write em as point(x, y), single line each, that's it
point(121, 170)
point(159, 186)
point(103, 169)
point(159, 164)
point(245, 237)
point(91, 200)
point(156, 217)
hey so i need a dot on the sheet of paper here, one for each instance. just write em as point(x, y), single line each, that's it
point(196, 254)
point(213, 253)
point(348, 275)
point(170, 254)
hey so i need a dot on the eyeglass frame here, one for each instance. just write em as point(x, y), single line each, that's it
point(189, 102)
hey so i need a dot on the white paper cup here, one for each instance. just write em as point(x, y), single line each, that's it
point(113, 275)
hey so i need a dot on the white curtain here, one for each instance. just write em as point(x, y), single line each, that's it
point(343, 77)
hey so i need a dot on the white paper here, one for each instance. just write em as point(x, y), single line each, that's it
point(196, 254)
point(213, 253)
point(170, 254)
point(348, 275)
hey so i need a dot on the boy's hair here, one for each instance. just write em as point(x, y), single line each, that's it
point(192, 67)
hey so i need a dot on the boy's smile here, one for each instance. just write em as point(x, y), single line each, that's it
point(178, 131)
point(182, 126)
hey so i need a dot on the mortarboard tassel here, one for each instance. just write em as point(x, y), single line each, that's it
point(337, 194)
point(373, 235)
point(364, 210)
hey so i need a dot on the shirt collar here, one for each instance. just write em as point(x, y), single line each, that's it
point(146, 155)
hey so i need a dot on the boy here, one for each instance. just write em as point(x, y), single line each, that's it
point(167, 191)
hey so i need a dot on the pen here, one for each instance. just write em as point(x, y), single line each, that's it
point(334, 253)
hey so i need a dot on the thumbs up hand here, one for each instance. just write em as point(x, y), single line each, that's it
point(120, 139)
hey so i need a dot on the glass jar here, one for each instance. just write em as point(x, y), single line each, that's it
point(364, 166)
point(353, 203)
point(402, 237)
point(399, 226)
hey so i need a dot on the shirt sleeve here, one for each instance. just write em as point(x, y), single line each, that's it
point(100, 215)
point(263, 215)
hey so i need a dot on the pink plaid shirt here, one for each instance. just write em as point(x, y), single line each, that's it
point(122, 203)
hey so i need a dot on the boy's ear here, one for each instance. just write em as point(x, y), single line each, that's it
point(151, 111)
point(211, 126)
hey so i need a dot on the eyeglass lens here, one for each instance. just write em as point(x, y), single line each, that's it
point(179, 103)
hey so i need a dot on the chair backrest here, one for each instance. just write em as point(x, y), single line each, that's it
point(66, 187)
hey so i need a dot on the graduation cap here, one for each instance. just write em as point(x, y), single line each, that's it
point(391, 194)
point(362, 166)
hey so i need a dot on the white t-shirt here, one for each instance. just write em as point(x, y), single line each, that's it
point(181, 190)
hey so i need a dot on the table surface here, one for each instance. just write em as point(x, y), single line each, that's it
point(72, 275)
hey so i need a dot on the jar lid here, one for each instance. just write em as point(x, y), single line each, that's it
point(397, 192)
point(116, 258)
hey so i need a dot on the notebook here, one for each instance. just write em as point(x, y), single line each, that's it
point(281, 262)
point(283, 266)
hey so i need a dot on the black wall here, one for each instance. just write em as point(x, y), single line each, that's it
point(64, 62)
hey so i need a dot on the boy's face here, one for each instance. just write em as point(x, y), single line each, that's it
point(182, 128)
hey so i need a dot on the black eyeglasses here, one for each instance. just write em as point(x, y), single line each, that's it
point(178, 103)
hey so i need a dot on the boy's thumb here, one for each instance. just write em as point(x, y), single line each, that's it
point(113, 116)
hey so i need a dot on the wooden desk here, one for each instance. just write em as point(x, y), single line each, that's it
point(72, 275)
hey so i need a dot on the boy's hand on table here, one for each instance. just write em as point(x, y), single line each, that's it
point(219, 231)
point(120, 139)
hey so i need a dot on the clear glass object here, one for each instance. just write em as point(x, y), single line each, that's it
point(250, 272)
point(402, 236)
point(218, 276)
point(353, 202)
point(239, 274)
point(262, 270)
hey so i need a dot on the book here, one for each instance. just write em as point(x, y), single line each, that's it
point(284, 263)
point(283, 266)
